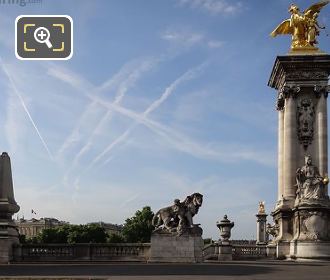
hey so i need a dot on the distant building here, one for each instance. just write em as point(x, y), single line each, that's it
point(109, 228)
point(31, 228)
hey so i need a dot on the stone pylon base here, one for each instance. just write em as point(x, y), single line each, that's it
point(317, 250)
point(166, 247)
point(283, 249)
point(8, 237)
point(6, 249)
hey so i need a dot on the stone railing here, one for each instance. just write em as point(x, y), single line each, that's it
point(82, 252)
point(118, 252)
point(211, 251)
point(239, 252)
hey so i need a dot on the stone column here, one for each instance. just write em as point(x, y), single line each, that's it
point(280, 153)
point(261, 229)
point(290, 144)
point(322, 129)
point(8, 206)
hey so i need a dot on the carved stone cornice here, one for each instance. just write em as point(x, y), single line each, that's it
point(299, 68)
point(302, 75)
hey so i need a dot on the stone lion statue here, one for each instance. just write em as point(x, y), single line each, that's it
point(178, 217)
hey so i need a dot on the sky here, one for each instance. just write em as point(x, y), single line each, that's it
point(161, 99)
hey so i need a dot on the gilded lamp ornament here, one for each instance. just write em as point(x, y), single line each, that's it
point(303, 27)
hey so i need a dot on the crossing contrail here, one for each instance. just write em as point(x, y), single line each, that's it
point(25, 108)
point(190, 74)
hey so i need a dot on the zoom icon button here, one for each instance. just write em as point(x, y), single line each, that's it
point(44, 37)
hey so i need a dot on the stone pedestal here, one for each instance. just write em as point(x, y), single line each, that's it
point(168, 247)
point(271, 251)
point(8, 206)
point(302, 84)
point(261, 229)
point(225, 251)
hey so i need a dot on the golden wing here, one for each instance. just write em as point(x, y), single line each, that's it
point(283, 28)
point(316, 8)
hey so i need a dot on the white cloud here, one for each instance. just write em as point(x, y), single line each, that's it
point(213, 44)
point(214, 7)
point(184, 38)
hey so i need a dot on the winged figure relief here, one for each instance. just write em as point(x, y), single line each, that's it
point(303, 27)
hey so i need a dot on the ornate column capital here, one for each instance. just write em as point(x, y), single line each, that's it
point(284, 93)
point(291, 91)
point(319, 90)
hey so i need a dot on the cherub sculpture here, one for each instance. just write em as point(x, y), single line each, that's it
point(303, 27)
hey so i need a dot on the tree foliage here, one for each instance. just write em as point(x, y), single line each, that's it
point(115, 238)
point(136, 229)
point(139, 228)
point(73, 234)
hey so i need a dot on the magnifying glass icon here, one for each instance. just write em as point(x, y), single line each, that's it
point(42, 35)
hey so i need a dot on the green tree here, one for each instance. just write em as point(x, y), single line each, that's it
point(115, 238)
point(22, 238)
point(87, 234)
point(72, 234)
point(139, 228)
point(48, 235)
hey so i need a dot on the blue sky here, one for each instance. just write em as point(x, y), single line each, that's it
point(160, 99)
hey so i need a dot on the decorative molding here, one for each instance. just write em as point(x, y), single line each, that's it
point(306, 75)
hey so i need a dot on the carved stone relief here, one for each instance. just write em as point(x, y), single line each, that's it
point(314, 226)
point(305, 119)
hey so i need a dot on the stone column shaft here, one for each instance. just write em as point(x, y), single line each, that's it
point(289, 149)
point(322, 127)
point(280, 153)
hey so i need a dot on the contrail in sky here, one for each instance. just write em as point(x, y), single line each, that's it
point(190, 74)
point(25, 108)
point(120, 94)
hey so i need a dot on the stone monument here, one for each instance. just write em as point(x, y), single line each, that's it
point(262, 235)
point(8, 206)
point(302, 211)
point(176, 238)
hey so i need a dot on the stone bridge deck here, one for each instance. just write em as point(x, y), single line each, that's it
point(229, 270)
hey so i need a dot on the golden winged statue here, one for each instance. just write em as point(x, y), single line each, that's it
point(303, 27)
